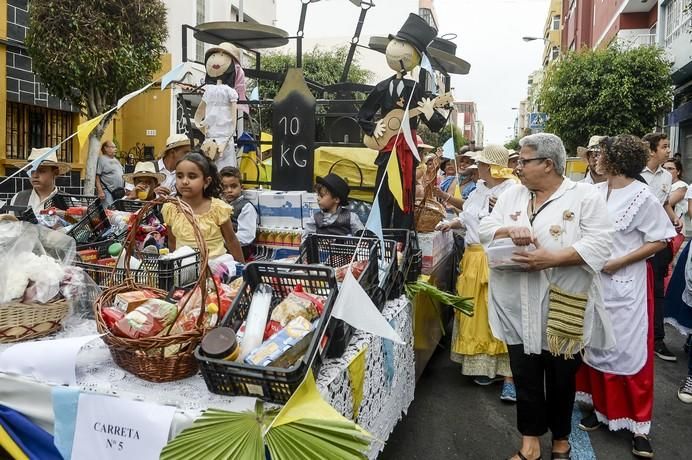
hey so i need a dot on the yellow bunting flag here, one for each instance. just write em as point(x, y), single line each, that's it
point(457, 191)
point(84, 129)
point(306, 403)
point(356, 373)
point(394, 179)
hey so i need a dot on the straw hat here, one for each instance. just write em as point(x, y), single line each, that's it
point(513, 154)
point(594, 142)
point(422, 145)
point(173, 141)
point(144, 169)
point(493, 155)
point(224, 47)
point(50, 160)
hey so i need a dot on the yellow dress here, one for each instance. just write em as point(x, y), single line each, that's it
point(209, 224)
point(473, 344)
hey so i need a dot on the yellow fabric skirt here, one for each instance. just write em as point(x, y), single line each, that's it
point(472, 335)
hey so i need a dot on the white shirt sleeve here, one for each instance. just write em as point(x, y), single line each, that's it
point(594, 246)
point(247, 225)
point(309, 228)
point(653, 222)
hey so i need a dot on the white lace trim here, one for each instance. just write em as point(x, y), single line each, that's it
point(679, 327)
point(624, 219)
point(616, 424)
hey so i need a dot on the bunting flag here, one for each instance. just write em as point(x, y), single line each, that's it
point(457, 191)
point(406, 130)
point(425, 64)
point(354, 306)
point(254, 94)
point(172, 75)
point(394, 179)
point(129, 96)
point(374, 223)
point(448, 149)
point(84, 129)
point(356, 374)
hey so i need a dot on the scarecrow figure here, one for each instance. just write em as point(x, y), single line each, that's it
point(404, 52)
point(217, 114)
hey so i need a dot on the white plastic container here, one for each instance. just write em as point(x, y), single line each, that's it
point(256, 320)
point(500, 253)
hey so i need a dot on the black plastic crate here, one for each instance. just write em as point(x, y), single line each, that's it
point(64, 201)
point(128, 205)
point(403, 237)
point(100, 246)
point(337, 251)
point(153, 272)
point(94, 226)
point(272, 384)
point(416, 266)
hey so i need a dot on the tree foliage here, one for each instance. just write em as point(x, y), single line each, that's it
point(439, 138)
point(94, 52)
point(512, 145)
point(609, 91)
point(321, 66)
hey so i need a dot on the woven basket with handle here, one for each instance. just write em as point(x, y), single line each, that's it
point(145, 357)
point(28, 321)
point(429, 212)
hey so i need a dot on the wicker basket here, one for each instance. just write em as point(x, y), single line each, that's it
point(145, 357)
point(27, 321)
point(428, 211)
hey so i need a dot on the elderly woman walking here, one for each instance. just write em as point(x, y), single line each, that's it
point(550, 309)
point(619, 382)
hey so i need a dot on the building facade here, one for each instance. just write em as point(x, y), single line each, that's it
point(30, 117)
point(552, 32)
point(631, 22)
point(465, 118)
point(674, 31)
point(577, 24)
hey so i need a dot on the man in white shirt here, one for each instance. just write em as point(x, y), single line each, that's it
point(660, 181)
point(590, 155)
point(43, 186)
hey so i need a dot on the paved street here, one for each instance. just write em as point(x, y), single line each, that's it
point(451, 418)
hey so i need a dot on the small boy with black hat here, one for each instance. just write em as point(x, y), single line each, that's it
point(333, 218)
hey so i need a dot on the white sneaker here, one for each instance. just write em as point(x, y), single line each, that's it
point(685, 391)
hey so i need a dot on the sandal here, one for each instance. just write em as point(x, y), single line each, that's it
point(561, 455)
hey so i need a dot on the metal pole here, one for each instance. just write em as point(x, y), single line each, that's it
point(241, 11)
point(354, 43)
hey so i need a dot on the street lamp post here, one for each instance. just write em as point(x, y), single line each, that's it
point(530, 39)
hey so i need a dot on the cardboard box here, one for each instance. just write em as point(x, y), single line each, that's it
point(280, 209)
point(128, 301)
point(252, 196)
point(310, 206)
point(435, 247)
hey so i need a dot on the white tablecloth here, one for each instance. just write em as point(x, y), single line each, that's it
point(388, 388)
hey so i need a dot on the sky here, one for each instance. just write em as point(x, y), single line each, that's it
point(488, 37)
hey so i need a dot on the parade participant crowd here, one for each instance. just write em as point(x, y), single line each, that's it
point(575, 315)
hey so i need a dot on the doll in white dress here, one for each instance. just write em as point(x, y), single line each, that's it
point(216, 115)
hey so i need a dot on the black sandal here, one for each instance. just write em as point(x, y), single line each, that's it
point(561, 455)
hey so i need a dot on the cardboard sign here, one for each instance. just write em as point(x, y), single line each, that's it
point(110, 428)
point(293, 146)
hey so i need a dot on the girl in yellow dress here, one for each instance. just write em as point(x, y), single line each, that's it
point(197, 183)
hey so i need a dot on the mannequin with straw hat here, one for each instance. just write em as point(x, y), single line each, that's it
point(217, 114)
point(43, 178)
point(480, 354)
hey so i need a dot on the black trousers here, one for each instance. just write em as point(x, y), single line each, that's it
point(545, 391)
point(660, 264)
point(392, 215)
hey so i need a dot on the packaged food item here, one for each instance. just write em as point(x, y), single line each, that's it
point(128, 301)
point(278, 344)
point(257, 317)
point(107, 262)
point(147, 320)
point(111, 316)
point(88, 255)
point(297, 303)
point(221, 343)
point(357, 268)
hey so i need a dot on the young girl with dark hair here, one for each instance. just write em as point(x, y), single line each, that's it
point(197, 183)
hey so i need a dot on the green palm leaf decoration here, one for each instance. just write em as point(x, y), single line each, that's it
point(461, 304)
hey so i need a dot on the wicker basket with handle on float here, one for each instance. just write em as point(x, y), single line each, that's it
point(150, 358)
point(428, 211)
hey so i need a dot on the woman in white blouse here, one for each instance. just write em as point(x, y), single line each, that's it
point(550, 309)
point(619, 382)
point(473, 346)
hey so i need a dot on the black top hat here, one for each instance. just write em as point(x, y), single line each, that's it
point(336, 186)
point(416, 32)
